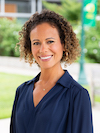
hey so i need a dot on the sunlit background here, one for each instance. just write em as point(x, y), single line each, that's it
point(84, 16)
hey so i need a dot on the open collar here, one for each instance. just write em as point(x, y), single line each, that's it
point(65, 80)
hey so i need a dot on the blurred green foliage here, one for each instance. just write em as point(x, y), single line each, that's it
point(98, 7)
point(68, 9)
point(92, 42)
point(8, 37)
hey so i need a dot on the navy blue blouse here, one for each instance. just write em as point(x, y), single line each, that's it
point(66, 108)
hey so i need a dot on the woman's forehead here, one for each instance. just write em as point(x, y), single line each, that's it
point(44, 30)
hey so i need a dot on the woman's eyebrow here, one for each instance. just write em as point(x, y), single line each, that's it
point(35, 40)
point(50, 38)
point(45, 39)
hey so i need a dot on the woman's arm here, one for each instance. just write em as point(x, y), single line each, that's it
point(12, 122)
point(82, 113)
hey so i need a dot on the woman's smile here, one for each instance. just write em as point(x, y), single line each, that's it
point(45, 58)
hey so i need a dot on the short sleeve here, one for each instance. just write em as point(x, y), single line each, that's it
point(82, 113)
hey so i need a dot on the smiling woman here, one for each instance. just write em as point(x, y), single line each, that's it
point(46, 46)
point(65, 31)
point(52, 102)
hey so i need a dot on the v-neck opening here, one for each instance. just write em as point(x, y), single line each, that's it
point(42, 97)
point(47, 94)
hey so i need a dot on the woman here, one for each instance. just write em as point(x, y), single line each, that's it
point(52, 102)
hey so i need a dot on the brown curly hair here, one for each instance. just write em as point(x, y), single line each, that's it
point(66, 34)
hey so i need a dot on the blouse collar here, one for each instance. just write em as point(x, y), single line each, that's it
point(65, 80)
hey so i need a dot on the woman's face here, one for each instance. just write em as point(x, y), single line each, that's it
point(46, 45)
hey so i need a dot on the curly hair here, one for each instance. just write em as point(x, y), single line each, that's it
point(66, 34)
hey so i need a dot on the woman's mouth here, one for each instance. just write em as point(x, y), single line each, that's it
point(45, 58)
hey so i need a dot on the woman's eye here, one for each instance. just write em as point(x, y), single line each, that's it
point(36, 43)
point(49, 42)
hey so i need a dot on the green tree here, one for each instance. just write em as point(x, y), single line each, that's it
point(8, 37)
point(98, 7)
point(68, 9)
point(92, 43)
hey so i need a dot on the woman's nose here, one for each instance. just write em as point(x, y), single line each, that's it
point(43, 47)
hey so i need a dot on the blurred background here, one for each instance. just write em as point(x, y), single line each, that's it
point(84, 16)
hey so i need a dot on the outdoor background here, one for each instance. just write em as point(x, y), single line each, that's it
point(13, 14)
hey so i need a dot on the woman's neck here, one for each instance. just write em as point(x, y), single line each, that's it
point(51, 74)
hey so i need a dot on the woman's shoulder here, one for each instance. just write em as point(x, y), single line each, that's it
point(72, 85)
point(27, 83)
point(77, 89)
point(70, 82)
point(24, 85)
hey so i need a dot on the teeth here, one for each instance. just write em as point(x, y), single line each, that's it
point(45, 57)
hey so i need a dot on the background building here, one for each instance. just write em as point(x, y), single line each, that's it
point(21, 9)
